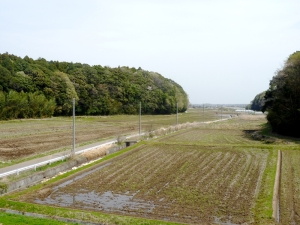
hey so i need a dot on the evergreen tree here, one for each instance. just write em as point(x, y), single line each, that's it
point(98, 90)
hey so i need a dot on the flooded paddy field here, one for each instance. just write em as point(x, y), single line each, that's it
point(179, 183)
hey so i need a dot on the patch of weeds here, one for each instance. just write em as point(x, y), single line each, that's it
point(8, 218)
point(259, 137)
point(3, 188)
point(120, 140)
point(266, 129)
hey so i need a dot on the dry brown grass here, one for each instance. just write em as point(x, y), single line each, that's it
point(96, 153)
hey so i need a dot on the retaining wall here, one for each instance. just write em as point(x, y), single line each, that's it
point(51, 172)
point(39, 176)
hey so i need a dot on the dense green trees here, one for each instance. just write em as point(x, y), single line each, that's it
point(25, 105)
point(258, 102)
point(98, 90)
point(282, 99)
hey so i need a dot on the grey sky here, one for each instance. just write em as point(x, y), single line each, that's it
point(219, 51)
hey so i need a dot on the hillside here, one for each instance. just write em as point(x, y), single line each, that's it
point(39, 88)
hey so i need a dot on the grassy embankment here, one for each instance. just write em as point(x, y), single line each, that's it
point(12, 219)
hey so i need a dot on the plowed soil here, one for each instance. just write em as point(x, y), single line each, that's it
point(29, 137)
point(176, 182)
point(24, 138)
point(290, 188)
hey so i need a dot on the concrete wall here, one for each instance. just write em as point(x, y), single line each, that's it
point(39, 176)
point(51, 172)
point(116, 148)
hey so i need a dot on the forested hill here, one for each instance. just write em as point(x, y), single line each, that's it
point(40, 88)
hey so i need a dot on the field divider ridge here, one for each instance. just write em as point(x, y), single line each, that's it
point(276, 192)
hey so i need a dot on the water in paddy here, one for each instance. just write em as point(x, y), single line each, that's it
point(107, 201)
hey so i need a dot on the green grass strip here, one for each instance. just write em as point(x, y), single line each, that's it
point(96, 217)
point(13, 219)
point(262, 210)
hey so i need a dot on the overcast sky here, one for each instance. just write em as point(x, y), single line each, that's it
point(219, 51)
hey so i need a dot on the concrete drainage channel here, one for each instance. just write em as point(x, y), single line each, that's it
point(276, 192)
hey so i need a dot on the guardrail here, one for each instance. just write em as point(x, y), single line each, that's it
point(34, 166)
point(49, 161)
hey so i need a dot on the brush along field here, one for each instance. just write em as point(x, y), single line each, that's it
point(20, 139)
point(211, 174)
point(290, 188)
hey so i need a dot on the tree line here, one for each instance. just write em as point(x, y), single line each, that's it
point(39, 88)
point(25, 105)
point(258, 102)
point(282, 100)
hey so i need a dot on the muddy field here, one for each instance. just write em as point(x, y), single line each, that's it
point(29, 137)
point(170, 184)
point(20, 139)
point(174, 182)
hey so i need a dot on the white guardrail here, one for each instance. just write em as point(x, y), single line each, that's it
point(49, 161)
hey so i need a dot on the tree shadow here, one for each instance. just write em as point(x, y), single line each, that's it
point(266, 135)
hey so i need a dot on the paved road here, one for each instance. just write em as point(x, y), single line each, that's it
point(49, 157)
point(19, 166)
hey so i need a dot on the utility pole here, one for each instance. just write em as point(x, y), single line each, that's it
point(221, 112)
point(73, 149)
point(176, 113)
point(203, 113)
point(140, 119)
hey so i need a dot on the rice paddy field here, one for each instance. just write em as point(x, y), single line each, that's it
point(213, 173)
point(290, 188)
point(176, 183)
